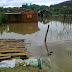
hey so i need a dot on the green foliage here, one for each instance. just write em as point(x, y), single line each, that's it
point(61, 8)
point(3, 18)
point(9, 9)
point(35, 7)
point(57, 10)
point(0, 19)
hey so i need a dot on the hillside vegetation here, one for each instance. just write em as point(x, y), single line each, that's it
point(61, 8)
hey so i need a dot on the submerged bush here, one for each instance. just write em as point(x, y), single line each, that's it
point(2, 18)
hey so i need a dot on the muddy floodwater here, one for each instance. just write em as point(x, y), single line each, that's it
point(59, 39)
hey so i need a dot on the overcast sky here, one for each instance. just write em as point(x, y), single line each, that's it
point(11, 3)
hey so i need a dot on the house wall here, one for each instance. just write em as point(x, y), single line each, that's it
point(14, 18)
point(29, 16)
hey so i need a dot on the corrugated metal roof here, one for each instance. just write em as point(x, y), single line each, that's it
point(19, 11)
point(13, 13)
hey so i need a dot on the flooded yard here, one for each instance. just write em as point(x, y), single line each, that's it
point(59, 39)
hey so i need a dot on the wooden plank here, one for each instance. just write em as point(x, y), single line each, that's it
point(13, 49)
point(4, 51)
point(15, 54)
point(1, 48)
point(5, 43)
point(22, 44)
point(5, 57)
point(12, 40)
point(7, 46)
point(14, 46)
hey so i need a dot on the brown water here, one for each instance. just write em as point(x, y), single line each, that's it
point(59, 39)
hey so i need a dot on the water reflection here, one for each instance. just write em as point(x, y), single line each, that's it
point(23, 28)
point(62, 19)
point(61, 29)
point(45, 20)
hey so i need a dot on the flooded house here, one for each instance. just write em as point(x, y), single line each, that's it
point(21, 15)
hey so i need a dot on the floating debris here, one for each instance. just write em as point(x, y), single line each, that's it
point(12, 48)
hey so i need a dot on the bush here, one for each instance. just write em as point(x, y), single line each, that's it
point(0, 19)
point(3, 18)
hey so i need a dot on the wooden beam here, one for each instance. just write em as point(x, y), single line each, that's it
point(4, 51)
point(14, 54)
point(5, 57)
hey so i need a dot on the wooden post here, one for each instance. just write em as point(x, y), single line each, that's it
point(47, 48)
point(46, 38)
point(46, 33)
